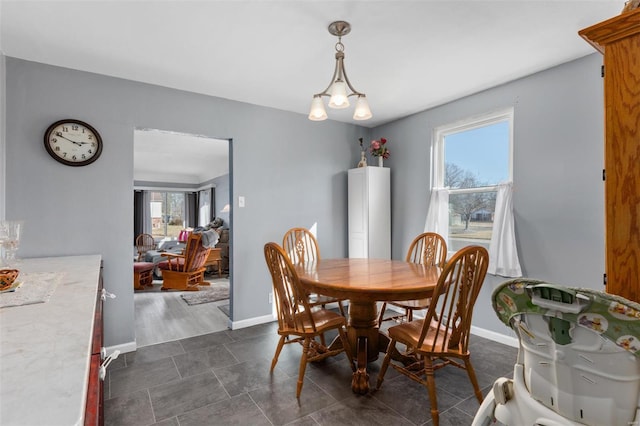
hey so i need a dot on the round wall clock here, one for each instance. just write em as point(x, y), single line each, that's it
point(73, 142)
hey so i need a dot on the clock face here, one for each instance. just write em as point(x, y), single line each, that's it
point(73, 142)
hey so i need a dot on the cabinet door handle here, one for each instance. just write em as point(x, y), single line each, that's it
point(106, 362)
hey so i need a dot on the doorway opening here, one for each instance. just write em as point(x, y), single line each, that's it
point(181, 183)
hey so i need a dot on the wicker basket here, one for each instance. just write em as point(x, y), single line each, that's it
point(7, 277)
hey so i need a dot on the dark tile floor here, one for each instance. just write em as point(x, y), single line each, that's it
point(223, 379)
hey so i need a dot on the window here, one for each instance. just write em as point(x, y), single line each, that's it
point(471, 158)
point(167, 213)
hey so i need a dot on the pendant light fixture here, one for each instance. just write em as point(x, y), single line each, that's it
point(337, 91)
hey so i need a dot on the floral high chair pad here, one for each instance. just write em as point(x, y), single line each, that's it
point(579, 351)
point(613, 317)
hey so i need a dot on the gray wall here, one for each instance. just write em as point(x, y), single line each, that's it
point(290, 170)
point(222, 198)
point(558, 160)
point(293, 173)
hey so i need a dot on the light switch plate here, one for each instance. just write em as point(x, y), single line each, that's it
point(241, 201)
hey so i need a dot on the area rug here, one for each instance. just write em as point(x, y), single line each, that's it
point(212, 293)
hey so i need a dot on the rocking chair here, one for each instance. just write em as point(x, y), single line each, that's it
point(185, 271)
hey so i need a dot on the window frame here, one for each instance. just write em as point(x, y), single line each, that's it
point(483, 120)
point(469, 123)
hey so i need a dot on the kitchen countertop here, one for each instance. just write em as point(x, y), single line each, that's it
point(45, 348)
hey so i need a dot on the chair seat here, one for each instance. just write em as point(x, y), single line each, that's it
point(408, 333)
point(164, 265)
point(324, 319)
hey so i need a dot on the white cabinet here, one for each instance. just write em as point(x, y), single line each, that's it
point(369, 212)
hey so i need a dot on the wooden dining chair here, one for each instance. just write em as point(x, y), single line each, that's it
point(185, 271)
point(442, 337)
point(302, 247)
point(296, 318)
point(428, 248)
point(144, 243)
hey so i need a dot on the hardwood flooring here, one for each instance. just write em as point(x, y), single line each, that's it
point(162, 316)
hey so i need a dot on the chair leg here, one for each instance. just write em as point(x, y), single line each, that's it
point(347, 348)
point(278, 349)
point(341, 308)
point(431, 385)
point(409, 314)
point(381, 315)
point(474, 381)
point(322, 340)
point(303, 365)
point(385, 363)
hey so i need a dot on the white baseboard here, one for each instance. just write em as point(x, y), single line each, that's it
point(496, 337)
point(123, 348)
point(236, 325)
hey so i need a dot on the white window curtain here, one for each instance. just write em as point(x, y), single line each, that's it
point(146, 212)
point(503, 254)
point(204, 207)
point(438, 214)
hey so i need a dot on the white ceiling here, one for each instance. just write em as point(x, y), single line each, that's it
point(407, 56)
point(163, 156)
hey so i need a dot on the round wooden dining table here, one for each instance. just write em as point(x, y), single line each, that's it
point(365, 282)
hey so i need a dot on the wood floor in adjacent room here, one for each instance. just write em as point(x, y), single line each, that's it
point(162, 316)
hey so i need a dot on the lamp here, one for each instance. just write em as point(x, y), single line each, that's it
point(337, 89)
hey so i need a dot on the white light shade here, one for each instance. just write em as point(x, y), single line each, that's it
point(362, 111)
point(338, 93)
point(317, 112)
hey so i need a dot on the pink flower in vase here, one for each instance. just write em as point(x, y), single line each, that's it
point(378, 148)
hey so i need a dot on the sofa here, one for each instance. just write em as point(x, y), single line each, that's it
point(223, 243)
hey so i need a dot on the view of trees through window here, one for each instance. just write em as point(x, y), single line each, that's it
point(469, 208)
point(167, 213)
point(475, 158)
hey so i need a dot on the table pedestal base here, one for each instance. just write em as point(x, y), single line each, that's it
point(367, 342)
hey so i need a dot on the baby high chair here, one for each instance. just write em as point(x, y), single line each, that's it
point(578, 360)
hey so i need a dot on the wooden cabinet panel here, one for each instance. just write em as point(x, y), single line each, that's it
point(94, 409)
point(619, 40)
point(96, 344)
point(94, 414)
